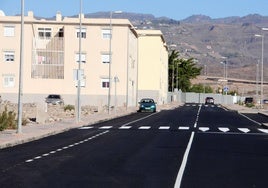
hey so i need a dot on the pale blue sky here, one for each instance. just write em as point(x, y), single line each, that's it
point(175, 9)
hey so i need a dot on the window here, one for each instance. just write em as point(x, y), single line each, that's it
point(106, 33)
point(105, 58)
point(9, 56)
point(61, 32)
point(83, 32)
point(44, 33)
point(83, 58)
point(9, 31)
point(105, 83)
point(9, 80)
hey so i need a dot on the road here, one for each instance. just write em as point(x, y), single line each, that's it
point(190, 146)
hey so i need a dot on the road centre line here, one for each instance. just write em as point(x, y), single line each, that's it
point(184, 161)
point(186, 154)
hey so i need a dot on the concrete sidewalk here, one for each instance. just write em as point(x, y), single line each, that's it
point(9, 138)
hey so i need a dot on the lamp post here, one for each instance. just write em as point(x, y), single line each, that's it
point(262, 48)
point(225, 74)
point(110, 58)
point(78, 105)
point(19, 122)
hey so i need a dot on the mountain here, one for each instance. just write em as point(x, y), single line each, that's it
point(208, 40)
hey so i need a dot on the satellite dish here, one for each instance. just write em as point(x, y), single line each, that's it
point(2, 13)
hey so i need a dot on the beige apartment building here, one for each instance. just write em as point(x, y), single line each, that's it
point(138, 60)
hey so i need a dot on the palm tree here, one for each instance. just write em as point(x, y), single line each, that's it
point(181, 71)
point(172, 60)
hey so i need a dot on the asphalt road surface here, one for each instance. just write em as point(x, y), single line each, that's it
point(191, 146)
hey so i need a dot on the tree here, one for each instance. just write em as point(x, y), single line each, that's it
point(172, 61)
point(181, 71)
point(200, 88)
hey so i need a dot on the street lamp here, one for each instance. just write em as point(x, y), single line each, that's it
point(110, 58)
point(19, 122)
point(262, 48)
point(78, 105)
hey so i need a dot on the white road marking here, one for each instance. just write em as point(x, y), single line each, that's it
point(164, 127)
point(184, 128)
point(184, 161)
point(125, 127)
point(224, 129)
point(90, 127)
point(63, 148)
point(244, 130)
point(204, 129)
point(106, 127)
point(145, 127)
point(250, 119)
point(263, 130)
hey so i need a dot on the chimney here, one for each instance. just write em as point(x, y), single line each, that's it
point(30, 14)
point(58, 16)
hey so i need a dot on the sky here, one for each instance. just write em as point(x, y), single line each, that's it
point(174, 9)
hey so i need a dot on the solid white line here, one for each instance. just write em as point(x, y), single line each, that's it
point(184, 161)
point(250, 119)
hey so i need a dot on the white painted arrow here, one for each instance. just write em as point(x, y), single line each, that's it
point(264, 130)
point(224, 129)
point(245, 130)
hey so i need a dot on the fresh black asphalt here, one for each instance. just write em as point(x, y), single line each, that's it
point(146, 150)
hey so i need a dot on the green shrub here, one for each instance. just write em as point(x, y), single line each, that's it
point(249, 105)
point(7, 120)
point(68, 107)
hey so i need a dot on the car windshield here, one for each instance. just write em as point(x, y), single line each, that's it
point(147, 101)
point(54, 97)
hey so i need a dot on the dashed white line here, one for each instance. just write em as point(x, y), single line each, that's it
point(164, 127)
point(145, 127)
point(63, 148)
point(106, 127)
point(184, 128)
point(125, 127)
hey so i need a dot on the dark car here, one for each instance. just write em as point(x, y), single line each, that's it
point(147, 105)
point(209, 100)
point(54, 99)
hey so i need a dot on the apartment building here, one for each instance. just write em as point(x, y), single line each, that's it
point(111, 57)
point(153, 66)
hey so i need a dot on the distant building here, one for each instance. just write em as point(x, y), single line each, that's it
point(139, 60)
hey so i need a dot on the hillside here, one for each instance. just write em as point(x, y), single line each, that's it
point(208, 40)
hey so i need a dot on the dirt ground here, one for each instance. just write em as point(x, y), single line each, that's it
point(46, 113)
